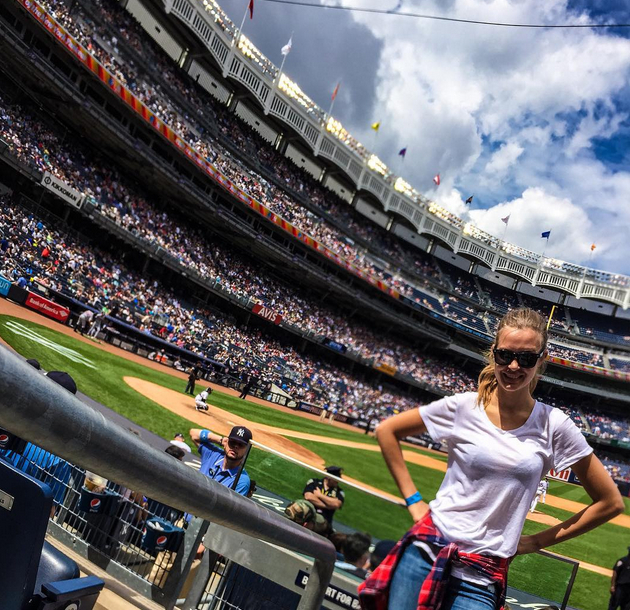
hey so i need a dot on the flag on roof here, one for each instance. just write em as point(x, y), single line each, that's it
point(506, 219)
point(545, 235)
point(402, 152)
point(376, 125)
point(334, 95)
point(593, 246)
point(436, 179)
point(469, 200)
point(286, 49)
point(251, 9)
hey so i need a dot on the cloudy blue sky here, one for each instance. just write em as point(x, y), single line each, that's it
point(533, 122)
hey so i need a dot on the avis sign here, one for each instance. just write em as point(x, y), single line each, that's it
point(48, 308)
point(63, 190)
point(268, 314)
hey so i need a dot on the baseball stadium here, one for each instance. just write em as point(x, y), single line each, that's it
point(195, 251)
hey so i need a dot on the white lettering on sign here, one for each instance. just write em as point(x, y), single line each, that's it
point(6, 501)
point(32, 335)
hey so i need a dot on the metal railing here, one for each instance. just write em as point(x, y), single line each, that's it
point(44, 413)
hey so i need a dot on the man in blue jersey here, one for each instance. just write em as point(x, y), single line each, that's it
point(222, 456)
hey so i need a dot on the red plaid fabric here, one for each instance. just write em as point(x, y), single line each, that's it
point(374, 592)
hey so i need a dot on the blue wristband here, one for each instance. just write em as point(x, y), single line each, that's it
point(413, 499)
point(203, 436)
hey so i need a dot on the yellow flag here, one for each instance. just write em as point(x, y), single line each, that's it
point(376, 125)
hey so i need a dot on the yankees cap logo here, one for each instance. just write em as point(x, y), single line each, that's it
point(240, 432)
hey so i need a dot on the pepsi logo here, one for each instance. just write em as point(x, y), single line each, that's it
point(95, 504)
point(4, 439)
point(161, 541)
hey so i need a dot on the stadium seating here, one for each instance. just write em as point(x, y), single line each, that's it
point(33, 574)
point(89, 274)
point(102, 39)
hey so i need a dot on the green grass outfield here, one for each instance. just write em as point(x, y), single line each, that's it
point(104, 383)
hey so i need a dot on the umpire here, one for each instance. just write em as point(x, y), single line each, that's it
point(620, 584)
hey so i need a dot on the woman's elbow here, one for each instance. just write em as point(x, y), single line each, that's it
point(617, 505)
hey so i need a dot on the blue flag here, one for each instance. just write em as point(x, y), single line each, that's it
point(546, 234)
point(403, 152)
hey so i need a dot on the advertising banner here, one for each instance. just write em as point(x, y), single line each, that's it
point(388, 369)
point(47, 308)
point(338, 347)
point(268, 314)
point(63, 190)
point(4, 286)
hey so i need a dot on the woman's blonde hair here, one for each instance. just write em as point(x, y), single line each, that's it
point(517, 318)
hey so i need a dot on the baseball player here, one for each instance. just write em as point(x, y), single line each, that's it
point(200, 400)
point(541, 494)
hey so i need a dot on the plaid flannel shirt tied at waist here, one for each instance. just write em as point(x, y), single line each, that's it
point(374, 592)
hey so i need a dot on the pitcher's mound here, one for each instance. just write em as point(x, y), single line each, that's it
point(219, 420)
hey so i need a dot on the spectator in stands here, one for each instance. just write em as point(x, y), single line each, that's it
point(511, 440)
point(380, 551)
point(222, 457)
point(303, 513)
point(325, 494)
point(178, 441)
point(356, 553)
point(177, 452)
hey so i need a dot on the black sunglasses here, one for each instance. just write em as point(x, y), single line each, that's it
point(526, 360)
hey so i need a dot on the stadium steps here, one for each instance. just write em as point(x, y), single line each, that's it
point(584, 419)
point(606, 360)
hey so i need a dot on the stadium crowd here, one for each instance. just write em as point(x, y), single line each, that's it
point(35, 143)
point(33, 251)
point(113, 36)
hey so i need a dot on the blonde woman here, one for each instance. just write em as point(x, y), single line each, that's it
point(501, 442)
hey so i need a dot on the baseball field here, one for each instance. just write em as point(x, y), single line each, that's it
point(152, 396)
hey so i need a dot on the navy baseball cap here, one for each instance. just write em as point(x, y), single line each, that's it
point(64, 380)
point(34, 363)
point(240, 434)
point(334, 470)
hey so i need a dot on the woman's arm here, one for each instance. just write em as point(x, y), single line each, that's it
point(388, 434)
point(607, 503)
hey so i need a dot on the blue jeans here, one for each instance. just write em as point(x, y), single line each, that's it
point(412, 570)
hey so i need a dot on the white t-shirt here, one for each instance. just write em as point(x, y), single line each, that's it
point(493, 474)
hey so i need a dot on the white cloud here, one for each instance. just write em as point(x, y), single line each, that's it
point(537, 211)
point(504, 158)
point(510, 115)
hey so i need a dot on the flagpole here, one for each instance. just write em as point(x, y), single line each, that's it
point(544, 249)
point(324, 125)
point(240, 29)
point(400, 164)
point(332, 101)
point(237, 35)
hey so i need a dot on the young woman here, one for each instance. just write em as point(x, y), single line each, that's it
point(501, 443)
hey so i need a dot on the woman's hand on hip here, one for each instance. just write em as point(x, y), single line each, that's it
point(418, 510)
point(527, 544)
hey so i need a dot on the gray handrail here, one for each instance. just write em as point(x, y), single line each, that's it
point(38, 410)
